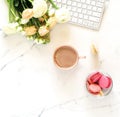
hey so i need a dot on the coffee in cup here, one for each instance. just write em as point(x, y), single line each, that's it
point(66, 57)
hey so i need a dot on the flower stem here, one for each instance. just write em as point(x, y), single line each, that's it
point(12, 12)
point(53, 4)
point(22, 4)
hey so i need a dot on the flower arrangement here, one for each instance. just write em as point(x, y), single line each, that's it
point(34, 18)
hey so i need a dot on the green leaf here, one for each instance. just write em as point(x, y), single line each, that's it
point(12, 11)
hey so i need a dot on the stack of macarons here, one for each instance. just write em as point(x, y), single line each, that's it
point(98, 83)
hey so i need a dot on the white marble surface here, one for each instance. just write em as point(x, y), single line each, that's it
point(31, 86)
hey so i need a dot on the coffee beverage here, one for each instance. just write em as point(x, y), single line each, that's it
point(66, 57)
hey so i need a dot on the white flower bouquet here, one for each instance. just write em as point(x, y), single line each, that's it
point(34, 18)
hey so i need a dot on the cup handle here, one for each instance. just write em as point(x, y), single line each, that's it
point(82, 57)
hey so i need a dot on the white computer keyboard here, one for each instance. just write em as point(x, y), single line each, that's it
point(86, 13)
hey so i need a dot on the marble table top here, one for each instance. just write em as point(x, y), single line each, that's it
point(31, 85)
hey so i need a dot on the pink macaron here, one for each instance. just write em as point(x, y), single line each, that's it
point(94, 77)
point(94, 88)
point(105, 82)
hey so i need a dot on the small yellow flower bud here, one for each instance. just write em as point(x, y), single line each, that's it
point(30, 30)
point(41, 19)
point(43, 31)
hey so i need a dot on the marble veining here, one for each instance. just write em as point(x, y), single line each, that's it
point(14, 59)
point(31, 85)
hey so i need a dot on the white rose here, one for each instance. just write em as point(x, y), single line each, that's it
point(11, 28)
point(39, 8)
point(62, 15)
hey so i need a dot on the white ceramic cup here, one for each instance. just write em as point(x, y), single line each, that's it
point(66, 57)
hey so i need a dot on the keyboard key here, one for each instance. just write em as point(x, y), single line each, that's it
point(69, 7)
point(84, 6)
point(64, 1)
point(80, 15)
point(79, 10)
point(80, 21)
point(90, 24)
point(74, 19)
point(69, 2)
point(79, 4)
point(93, 3)
point(75, 14)
point(96, 25)
point(85, 22)
point(99, 4)
point(86, 17)
point(96, 14)
point(84, 11)
point(88, 1)
point(89, 7)
point(74, 3)
point(93, 18)
point(71, 13)
point(83, 1)
point(94, 8)
point(99, 9)
point(89, 12)
point(74, 8)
